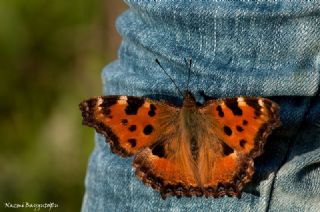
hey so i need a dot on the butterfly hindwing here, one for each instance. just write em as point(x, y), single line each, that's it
point(170, 168)
point(129, 123)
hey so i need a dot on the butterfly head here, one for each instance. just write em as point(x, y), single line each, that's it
point(188, 99)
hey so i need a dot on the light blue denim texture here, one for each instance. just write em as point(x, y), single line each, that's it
point(249, 48)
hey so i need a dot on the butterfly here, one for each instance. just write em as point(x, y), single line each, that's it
point(193, 150)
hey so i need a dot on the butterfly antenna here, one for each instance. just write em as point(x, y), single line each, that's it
point(189, 71)
point(157, 61)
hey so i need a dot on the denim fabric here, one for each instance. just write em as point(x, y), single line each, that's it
point(250, 48)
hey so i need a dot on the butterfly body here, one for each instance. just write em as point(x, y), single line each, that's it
point(193, 150)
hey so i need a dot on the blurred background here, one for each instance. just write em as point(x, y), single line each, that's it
point(51, 56)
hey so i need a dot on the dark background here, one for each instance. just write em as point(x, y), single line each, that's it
point(51, 56)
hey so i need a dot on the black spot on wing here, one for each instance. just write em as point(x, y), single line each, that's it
point(243, 143)
point(153, 107)
point(133, 142)
point(220, 112)
point(239, 128)
point(152, 111)
point(232, 104)
point(158, 150)
point(124, 122)
point(108, 101)
point(132, 128)
point(255, 105)
point(244, 122)
point(226, 149)
point(227, 130)
point(148, 129)
point(134, 103)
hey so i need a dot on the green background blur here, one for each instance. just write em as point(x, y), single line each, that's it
point(51, 56)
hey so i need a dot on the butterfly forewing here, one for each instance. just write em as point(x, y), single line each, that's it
point(129, 123)
point(243, 123)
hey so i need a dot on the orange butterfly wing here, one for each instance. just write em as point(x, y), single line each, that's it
point(129, 123)
point(241, 125)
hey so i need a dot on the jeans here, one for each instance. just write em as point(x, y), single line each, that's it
point(239, 48)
